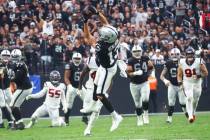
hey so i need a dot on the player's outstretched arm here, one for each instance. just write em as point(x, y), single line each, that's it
point(38, 95)
point(89, 39)
point(103, 19)
point(64, 102)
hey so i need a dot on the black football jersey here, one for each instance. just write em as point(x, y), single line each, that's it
point(139, 64)
point(106, 54)
point(75, 73)
point(172, 67)
point(5, 82)
point(21, 77)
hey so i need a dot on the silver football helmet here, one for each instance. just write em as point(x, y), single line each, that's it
point(5, 56)
point(77, 58)
point(175, 54)
point(137, 52)
point(108, 34)
point(16, 55)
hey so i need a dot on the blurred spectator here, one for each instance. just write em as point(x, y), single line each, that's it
point(157, 58)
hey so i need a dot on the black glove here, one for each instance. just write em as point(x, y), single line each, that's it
point(93, 10)
point(86, 14)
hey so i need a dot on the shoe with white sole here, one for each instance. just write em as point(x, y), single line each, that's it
point(140, 121)
point(87, 132)
point(146, 118)
point(169, 119)
point(115, 122)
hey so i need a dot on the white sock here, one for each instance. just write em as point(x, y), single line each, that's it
point(93, 118)
point(189, 107)
point(1, 119)
point(114, 114)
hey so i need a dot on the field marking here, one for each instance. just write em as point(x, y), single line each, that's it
point(130, 115)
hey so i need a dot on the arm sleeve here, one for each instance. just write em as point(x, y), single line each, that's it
point(40, 94)
point(63, 99)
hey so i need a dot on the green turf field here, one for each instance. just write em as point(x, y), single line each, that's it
point(157, 130)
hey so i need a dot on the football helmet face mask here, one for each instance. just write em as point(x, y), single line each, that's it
point(175, 54)
point(77, 59)
point(55, 77)
point(190, 54)
point(5, 56)
point(137, 52)
point(16, 55)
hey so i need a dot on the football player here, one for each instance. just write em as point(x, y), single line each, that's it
point(138, 69)
point(190, 73)
point(55, 93)
point(20, 77)
point(71, 78)
point(90, 70)
point(106, 54)
point(5, 94)
point(173, 89)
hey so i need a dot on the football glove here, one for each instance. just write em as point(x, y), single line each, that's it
point(139, 72)
point(28, 97)
point(166, 82)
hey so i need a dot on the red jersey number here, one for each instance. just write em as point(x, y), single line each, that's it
point(190, 72)
point(54, 93)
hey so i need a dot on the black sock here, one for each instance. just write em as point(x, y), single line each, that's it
point(67, 114)
point(94, 93)
point(7, 114)
point(145, 105)
point(170, 110)
point(16, 113)
point(106, 103)
point(139, 111)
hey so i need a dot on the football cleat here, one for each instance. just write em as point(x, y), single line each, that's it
point(169, 119)
point(140, 121)
point(115, 122)
point(31, 123)
point(146, 118)
point(20, 126)
point(87, 132)
point(186, 114)
point(191, 120)
point(11, 125)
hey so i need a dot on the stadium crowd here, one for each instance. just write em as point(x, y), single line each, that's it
point(49, 31)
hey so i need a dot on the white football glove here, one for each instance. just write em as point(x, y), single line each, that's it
point(139, 72)
point(123, 74)
point(65, 109)
point(79, 92)
point(28, 97)
point(11, 74)
point(166, 82)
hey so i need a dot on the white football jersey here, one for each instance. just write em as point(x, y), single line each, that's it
point(190, 71)
point(54, 94)
point(158, 60)
point(91, 63)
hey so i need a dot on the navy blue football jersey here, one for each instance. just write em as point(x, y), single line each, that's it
point(21, 75)
point(5, 82)
point(172, 67)
point(75, 73)
point(139, 64)
point(106, 54)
